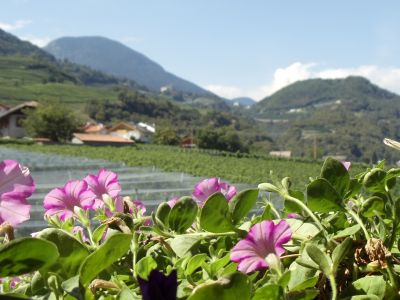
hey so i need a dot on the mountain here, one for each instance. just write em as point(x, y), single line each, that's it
point(347, 117)
point(355, 93)
point(11, 45)
point(117, 59)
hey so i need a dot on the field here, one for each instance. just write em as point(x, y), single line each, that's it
point(246, 169)
point(23, 79)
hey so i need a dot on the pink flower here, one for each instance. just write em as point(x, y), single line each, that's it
point(105, 183)
point(61, 201)
point(16, 184)
point(172, 201)
point(263, 238)
point(346, 164)
point(138, 205)
point(207, 187)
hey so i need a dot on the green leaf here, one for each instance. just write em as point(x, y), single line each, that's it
point(322, 197)
point(302, 230)
point(162, 214)
point(336, 174)
point(195, 262)
point(347, 232)
point(215, 215)
point(235, 286)
point(183, 214)
point(218, 264)
point(242, 203)
point(354, 188)
point(73, 287)
point(145, 266)
point(340, 252)
point(269, 291)
point(284, 279)
point(308, 294)
point(267, 213)
point(127, 294)
point(373, 206)
point(109, 252)
point(374, 180)
point(183, 243)
point(320, 258)
point(99, 232)
point(291, 206)
point(370, 285)
point(302, 277)
point(26, 255)
point(268, 187)
point(72, 252)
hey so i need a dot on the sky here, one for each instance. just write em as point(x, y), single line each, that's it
point(232, 47)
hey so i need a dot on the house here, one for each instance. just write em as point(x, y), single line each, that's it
point(94, 128)
point(100, 140)
point(141, 132)
point(286, 154)
point(10, 119)
point(188, 141)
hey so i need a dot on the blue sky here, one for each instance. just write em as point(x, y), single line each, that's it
point(233, 47)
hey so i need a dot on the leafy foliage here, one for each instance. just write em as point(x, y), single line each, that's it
point(53, 121)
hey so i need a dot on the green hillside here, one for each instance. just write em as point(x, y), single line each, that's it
point(355, 93)
point(27, 78)
point(347, 117)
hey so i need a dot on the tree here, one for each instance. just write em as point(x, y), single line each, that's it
point(53, 121)
point(166, 136)
point(225, 139)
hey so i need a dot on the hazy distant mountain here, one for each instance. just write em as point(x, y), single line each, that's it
point(117, 59)
point(243, 101)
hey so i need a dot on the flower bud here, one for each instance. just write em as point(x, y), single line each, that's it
point(81, 216)
point(109, 202)
point(274, 262)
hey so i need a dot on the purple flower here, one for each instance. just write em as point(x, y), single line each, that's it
point(172, 201)
point(159, 286)
point(263, 238)
point(207, 187)
point(346, 164)
point(293, 216)
point(16, 184)
point(61, 201)
point(104, 183)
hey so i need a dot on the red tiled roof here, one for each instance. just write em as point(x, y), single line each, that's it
point(104, 138)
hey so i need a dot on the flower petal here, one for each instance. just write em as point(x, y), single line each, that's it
point(14, 211)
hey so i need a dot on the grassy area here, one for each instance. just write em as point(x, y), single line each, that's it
point(24, 79)
point(251, 169)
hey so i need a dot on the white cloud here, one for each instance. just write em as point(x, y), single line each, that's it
point(19, 24)
point(38, 41)
point(225, 90)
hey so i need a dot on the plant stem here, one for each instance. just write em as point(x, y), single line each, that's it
point(360, 222)
point(391, 276)
point(306, 209)
point(332, 282)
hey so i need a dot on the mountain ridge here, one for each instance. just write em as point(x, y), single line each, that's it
point(115, 58)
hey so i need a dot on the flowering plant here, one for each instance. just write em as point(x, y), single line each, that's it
point(339, 238)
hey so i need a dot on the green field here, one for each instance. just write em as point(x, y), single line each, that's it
point(24, 79)
point(250, 169)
